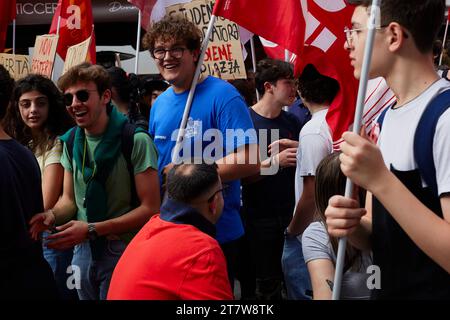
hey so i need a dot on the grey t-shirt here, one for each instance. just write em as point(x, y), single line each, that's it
point(316, 245)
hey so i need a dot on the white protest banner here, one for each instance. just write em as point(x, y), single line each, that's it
point(223, 58)
point(17, 65)
point(76, 54)
point(44, 54)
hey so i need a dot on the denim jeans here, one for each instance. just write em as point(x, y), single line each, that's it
point(266, 244)
point(95, 275)
point(59, 261)
point(296, 275)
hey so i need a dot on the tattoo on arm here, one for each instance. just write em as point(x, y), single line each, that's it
point(330, 284)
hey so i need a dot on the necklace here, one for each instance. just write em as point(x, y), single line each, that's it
point(84, 157)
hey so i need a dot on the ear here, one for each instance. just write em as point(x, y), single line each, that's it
point(268, 87)
point(106, 97)
point(213, 205)
point(196, 54)
point(396, 36)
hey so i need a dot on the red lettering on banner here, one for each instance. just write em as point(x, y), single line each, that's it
point(46, 47)
point(217, 53)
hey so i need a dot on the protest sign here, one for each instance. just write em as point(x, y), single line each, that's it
point(76, 54)
point(44, 54)
point(17, 65)
point(223, 56)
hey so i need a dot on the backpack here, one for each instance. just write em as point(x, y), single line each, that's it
point(127, 142)
point(424, 135)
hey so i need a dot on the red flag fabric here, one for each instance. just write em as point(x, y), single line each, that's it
point(146, 7)
point(280, 21)
point(77, 24)
point(448, 15)
point(7, 15)
point(324, 48)
point(314, 31)
point(275, 51)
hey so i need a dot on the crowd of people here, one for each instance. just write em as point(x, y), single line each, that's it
point(95, 204)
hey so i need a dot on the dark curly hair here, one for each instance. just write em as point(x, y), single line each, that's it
point(173, 27)
point(315, 87)
point(57, 123)
point(269, 70)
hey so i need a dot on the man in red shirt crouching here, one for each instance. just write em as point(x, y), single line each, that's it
point(175, 255)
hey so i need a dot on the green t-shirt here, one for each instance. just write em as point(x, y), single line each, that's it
point(118, 189)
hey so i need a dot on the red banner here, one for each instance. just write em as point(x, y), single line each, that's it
point(7, 15)
point(278, 21)
point(76, 26)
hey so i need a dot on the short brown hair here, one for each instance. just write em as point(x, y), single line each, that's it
point(422, 18)
point(173, 27)
point(86, 72)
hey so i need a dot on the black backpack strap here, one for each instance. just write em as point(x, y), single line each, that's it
point(128, 132)
point(424, 136)
point(382, 115)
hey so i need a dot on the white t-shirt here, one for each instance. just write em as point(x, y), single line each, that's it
point(315, 143)
point(396, 139)
point(49, 157)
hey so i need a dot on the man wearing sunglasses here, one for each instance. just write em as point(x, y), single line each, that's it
point(217, 107)
point(97, 213)
point(192, 265)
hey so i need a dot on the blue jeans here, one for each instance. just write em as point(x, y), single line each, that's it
point(95, 275)
point(296, 275)
point(59, 261)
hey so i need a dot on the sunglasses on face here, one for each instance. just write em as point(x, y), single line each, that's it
point(82, 96)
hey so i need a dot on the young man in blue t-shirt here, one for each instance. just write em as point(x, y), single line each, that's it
point(219, 126)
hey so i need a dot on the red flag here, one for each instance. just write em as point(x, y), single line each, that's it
point(324, 48)
point(146, 7)
point(314, 31)
point(77, 24)
point(448, 15)
point(7, 15)
point(280, 21)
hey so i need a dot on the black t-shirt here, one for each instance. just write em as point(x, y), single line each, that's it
point(20, 199)
point(274, 195)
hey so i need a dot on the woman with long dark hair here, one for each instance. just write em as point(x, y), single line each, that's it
point(35, 118)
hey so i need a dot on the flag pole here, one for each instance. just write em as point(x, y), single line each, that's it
point(58, 26)
point(14, 37)
point(187, 109)
point(138, 42)
point(443, 42)
point(374, 16)
point(252, 48)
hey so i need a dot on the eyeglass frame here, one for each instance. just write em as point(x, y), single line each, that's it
point(348, 33)
point(76, 95)
point(223, 189)
point(171, 52)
